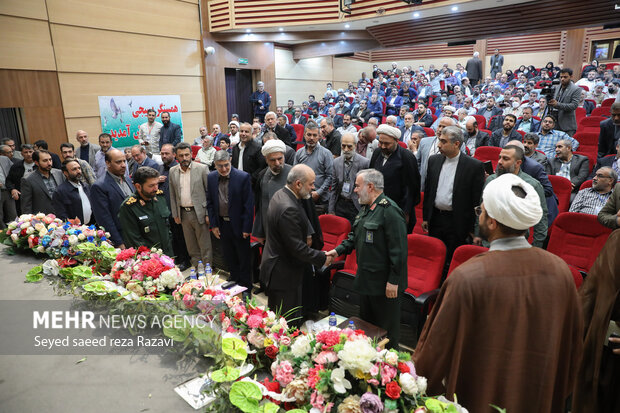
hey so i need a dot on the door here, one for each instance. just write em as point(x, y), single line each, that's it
point(238, 91)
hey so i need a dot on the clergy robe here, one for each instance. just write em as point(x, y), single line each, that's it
point(598, 377)
point(506, 330)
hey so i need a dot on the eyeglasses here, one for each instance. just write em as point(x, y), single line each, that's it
point(602, 176)
point(478, 211)
point(346, 146)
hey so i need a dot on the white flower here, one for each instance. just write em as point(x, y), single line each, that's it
point(340, 383)
point(40, 215)
point(73, 239)
point(14, 237)
point(422, 383)
point(408, 384)
point(39, 226)
point(82, 237)
point(30, 230)
point(391, 358)
point(13, 225)
point(42, 233)
point(357, 355)
point(24, 225)
point(169, 278)
point(301, 346)
point(40, 248)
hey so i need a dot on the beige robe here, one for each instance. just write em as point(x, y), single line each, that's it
point(506, 330)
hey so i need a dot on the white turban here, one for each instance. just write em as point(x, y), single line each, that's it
point(234, 122)
point(273, 145)
point(503, 205)
point(389, 131)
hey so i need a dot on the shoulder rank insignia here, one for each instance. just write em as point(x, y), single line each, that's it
point(130, 200)
point(159, 192)
point(384, 202)
point(142, 203)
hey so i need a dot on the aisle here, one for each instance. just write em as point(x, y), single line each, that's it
point(53, 384)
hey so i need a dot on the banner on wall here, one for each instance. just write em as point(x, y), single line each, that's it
point(121, 116)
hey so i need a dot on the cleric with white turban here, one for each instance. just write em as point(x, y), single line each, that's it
point(273, 145)
point(389, 131)
point(506, 207)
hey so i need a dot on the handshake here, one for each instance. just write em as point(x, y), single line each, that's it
point(330, 257)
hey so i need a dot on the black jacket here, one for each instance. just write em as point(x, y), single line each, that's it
point(253, 160)
point(67, 202)
point(606, 138)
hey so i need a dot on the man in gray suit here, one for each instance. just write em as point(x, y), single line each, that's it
point(40, 185)
point(565, 102)
point(343, 201)
point(497, 61)
point(570, 166)
point(474, 69)
point(188, 202)
point(86, 151)
point(428, 147)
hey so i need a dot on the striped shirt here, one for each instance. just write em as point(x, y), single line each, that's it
point(548, 141)
point(588, 201)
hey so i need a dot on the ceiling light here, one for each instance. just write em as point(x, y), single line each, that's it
point(454, 8)
point(416, 14)
point(346, 26)
point(281, 29)
point(248, 30)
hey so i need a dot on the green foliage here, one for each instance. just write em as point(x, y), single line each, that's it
point(234, 348)
point(225, 374)
point(436, 406)
point(35, 274)
point(245, 396)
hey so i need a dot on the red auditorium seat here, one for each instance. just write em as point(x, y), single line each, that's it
point(591, 155)
point(577, 239)
point(429, 131)
point(358, 127)
point(305, 115)
point(490, 132)
point(463, 253)
point(434, 118)
point(402, 144)
point(522, 133)
point(195, 149)
point(580, 113)
point(590, 124)
point(299, 131)
point(482, 121)
point(584, 87)
point(604, 111)
point(290, 117)
point(586, 184)
point(488, 153)
point(562, 187)
point(425, 261)
point(335, 229)
point(608, 102)
point(417, 229)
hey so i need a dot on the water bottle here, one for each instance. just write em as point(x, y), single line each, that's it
point(352, 325)
point(192, 274)
point(332, 320)
point(209, 273)
point(201, 271)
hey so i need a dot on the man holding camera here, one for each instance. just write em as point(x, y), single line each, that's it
point(565, 102)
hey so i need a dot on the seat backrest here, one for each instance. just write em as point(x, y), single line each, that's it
point(358, 127)
point(195, 149)
point(417, 229)
point(591, 154)
point(577, 239)
point(482, 121)
point(463, 253)
point(586, 139)
point(608, 102)
point(562, 188)
point(299, 131)
point(580, 113)
point(522, 133)
point(487, 153)
point(335, 229)
point(604, 111)
point(350, 263)
point(425, 260)
point(584, 87)
point(586, 184)
point(402, 144)
point(290, 117)
point(429, 131)
point(591, 122)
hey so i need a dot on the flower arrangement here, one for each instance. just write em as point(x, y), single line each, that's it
point(147, 273)
point(196, 292)
point(25, 232)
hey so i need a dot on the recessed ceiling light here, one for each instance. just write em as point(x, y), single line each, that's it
point(416, 14)
point(455, 8)
point(346, 26)
point(281, 29)
point(248, 30)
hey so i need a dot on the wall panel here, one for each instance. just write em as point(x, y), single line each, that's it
point(102, 51)
point(25, 44)
point(136, 16)
point(80, 90)
point(33, 9)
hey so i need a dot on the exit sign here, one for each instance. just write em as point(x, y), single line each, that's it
point(243, 61)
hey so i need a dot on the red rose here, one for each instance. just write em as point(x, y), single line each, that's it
point(271, 351)
point(392, 390)
point(403, 368)
point(143, 249)
point(273, 386)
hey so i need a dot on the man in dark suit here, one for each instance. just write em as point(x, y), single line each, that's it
point(565, 101)
point(608, 161)
point(490, 109)
point(400, 170)
point(230, 203)
point(453, 188)
point(408, 128)
point(473, 67)
point(138, 153)
point(41, 144)
point(282, 121)
point(341, 107)
point(108, 193)
point(39, 186)
point(246, 156)
point(19, 169)
point(260, 101)
point(170, 132)
point(569, 165)
point(298, 118)
point(610, 132)
point(286, 252)
point(361, 114)
point(393, 103)
point(71, 197)
point(474, 138)
point(501, 137)
point(271, 125)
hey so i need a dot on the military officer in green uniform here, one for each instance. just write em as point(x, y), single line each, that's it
point(144, 214)
point(379, 237)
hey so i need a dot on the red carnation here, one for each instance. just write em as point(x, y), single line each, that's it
point(126, 254)
point(403, 368)
point(392, 390)
point(143, 249)
point(329, 338)
point(152, 268)
point(273, 386)
point(271, 351)
point(23, 232)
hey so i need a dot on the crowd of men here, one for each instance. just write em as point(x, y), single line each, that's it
point(367, 154)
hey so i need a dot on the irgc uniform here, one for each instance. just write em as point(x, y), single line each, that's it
point(379, 237)
point(145, 222)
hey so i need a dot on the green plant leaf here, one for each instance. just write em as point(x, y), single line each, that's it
point(177, 334)
point(226, 374)
point(82, 271)
point(269, 408)
point(95, 287)
point(35, 274)
point(245, 395)
point(297, 411)
point(234, 348)
point(434, 405)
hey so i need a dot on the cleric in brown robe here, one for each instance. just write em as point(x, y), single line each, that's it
point(598, 378)
point(506, 329)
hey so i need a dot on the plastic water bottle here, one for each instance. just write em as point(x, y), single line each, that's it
point(209, 273)
point(201, 271)
point(192, 274)
point(332, 320)
point(352, 325)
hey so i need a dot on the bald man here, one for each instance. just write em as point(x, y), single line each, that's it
point(86, 150)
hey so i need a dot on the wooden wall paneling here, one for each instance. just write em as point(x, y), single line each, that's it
point(25, 44)
point(80, 90)
point(573, 55)
point(597, 33)
point(32, 9)
point(368, 8)
point(302, 51)
point(158, 17)
point(102, 51)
